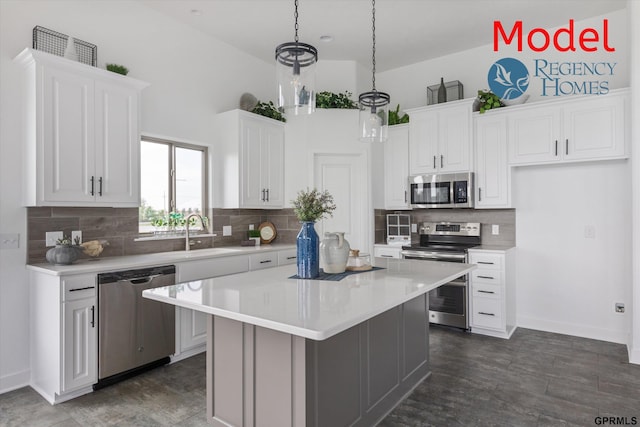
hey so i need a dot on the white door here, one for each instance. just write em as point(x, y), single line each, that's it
point(117, 144)
point(534, 136)
point(423, 143)
point(345, 177)
point(68, 137)
point(396, 168)
point(251, 188)
point(454, 141)
point(492, 170)
point(80, 357)
point(273, 158)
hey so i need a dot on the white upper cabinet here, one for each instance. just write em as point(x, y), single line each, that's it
point(248, 161)
point(492, 171)
point(578, 128)
point(440, 138)
point(82, 143)
point(396, 168)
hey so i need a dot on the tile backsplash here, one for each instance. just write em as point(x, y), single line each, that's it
point(504, 218)
point(119, 226)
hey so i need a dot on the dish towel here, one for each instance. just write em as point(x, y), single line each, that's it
point(335, 277)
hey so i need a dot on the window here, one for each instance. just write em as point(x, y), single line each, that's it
point(172, 181)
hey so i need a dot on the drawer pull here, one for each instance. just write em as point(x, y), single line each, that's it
point(486, 314)
point(81, 289)
point(386, 256)
point(265, 261)
point(485, 262)
point(291, 257)
point(485, 277)
point(486, 292)
point(93, 316)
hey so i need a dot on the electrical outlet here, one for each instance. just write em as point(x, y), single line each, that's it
point(78, 234)
point(226, 230)
point(251, 227)
point(52, 237)
point(619, 307)
point(9, 241)
point(495, 229)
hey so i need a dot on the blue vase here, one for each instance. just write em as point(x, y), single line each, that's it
point(308, 254)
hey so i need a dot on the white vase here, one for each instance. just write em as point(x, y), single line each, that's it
point(334, 250)
point(70, 51)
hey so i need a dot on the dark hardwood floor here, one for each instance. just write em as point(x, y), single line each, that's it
point(533, 379)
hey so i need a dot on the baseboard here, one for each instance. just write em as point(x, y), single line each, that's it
point(188, 353)
point(14, 381)
point(496, 334)
point(634, 355)
point(609, 335)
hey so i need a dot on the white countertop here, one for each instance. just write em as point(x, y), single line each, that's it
point(315, 309)
point(135, 261)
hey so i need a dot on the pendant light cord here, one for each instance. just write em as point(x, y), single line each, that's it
point(373, 25)
point(296, 18)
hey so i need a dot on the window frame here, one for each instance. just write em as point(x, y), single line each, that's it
point(173, 144)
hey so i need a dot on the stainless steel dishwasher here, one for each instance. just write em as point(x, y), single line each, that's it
point(135, 334)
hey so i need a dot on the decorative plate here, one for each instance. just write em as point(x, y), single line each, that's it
point(267, 232)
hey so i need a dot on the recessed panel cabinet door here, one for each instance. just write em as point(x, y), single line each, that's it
point(117, 144)
point(67, 137)
point(251, 186)
point(80, 343)
point(454, 139)
point(534, 136)
point(423, 143)
point(492, 171)
point(273, 156)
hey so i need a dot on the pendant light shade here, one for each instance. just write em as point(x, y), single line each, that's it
point(296, 74)
point(374, 126)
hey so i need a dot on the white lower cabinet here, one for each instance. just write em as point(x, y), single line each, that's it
point(386, 251)
point(64, 335)
point(492, 302)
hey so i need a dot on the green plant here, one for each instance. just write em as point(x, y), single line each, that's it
point(65, 241)
point(120, 69)
point(312, 205)
point(395, 118)
point(254, 233)
point(488, 100)
point(268, 110)
point(335, 100)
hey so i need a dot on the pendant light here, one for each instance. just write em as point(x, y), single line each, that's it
point(296, 74)
point(373, 116)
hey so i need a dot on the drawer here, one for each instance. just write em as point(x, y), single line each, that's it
point(260, 261)
point(487, 313)
point(387, 252)
point(205, 268)
point(287, 257)
point(487, 261)
point(78, 287)
point(482, 275)
point(484, 290)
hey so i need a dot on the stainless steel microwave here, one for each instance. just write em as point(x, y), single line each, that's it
point(450, 190)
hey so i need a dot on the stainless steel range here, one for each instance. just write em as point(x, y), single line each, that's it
point(447, 241)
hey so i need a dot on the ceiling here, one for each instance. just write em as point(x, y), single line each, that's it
point(407, 31)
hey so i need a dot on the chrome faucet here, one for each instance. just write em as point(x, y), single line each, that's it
point(187, 246)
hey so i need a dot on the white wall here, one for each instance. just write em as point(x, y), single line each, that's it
point(634, 16)
point(408, 85)
point(190, 78)
point(567, 283)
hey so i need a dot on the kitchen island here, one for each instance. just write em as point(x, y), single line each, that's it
point(293, 352)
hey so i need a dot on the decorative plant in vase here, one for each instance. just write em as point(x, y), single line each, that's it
point(486, 100)
point(65, 252)
point(310, 206)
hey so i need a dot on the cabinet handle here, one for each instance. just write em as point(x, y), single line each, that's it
point(486, 314)
point(81, 289)
point(485, 262)
point(556, 147)
point(93, 316)
point(486, 292)
point(441, 161)
point(479, 194)
point(267, 194)
point(486, 277)
point(566, 146)
point(405, 196)
point(386, 256)
point(434, 162)
point(100, 186)
point(262, 195)
point(291, 257)
point(93, 184)
point(266, 261)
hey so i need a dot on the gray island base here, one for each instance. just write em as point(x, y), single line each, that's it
point(283, 352)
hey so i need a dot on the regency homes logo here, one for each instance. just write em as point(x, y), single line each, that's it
point(558, 78)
